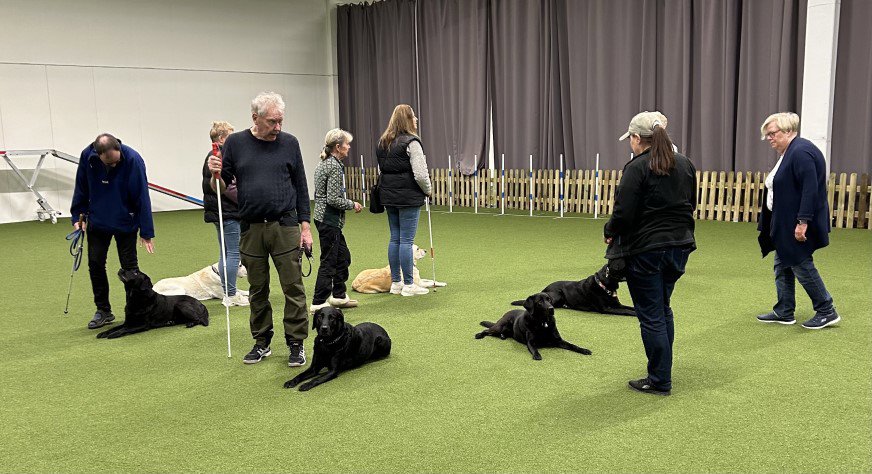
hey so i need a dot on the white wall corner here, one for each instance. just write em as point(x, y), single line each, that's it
point(819, 74)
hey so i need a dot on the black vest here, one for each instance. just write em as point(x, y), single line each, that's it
point(398, 187)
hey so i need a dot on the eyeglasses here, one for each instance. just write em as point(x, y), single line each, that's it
point(772, 134)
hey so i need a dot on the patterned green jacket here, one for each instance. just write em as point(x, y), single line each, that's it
point(330, 201)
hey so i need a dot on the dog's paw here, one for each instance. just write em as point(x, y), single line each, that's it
point(586, 352)
point(190, 325)
point(290, 384)
point(306, 386)
point(537, 357)
point(480, 335)
point(102, 335)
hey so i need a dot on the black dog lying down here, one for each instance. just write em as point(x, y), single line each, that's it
point(596, 293)
point(146, 309)
point(534, 326)
point(340, 347)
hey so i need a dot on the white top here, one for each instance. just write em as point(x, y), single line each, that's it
point(770, 197)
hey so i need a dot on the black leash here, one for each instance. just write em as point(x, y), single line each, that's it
point(77, 238)
point(308, 252)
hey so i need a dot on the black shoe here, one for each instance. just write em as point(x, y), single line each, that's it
point(820, 321)
point(256, 355)
point(645, 386)
point(101, 319)
point(771, 317)
point(297, 356)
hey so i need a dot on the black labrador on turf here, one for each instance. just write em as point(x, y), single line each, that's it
point(597, 293)
point(533, 326)
point(340, 347)
point(146, 309)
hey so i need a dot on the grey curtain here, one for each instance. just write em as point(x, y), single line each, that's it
point(377, 69)
point(566, 76)
point(852, 107)
point(452, 47)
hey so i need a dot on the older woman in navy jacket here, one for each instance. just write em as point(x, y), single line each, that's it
point(795, 221)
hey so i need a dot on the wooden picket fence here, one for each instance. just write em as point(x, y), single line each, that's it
point(721, 195)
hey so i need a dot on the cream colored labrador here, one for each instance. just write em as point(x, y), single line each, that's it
point(203, 284)
point(378, 280)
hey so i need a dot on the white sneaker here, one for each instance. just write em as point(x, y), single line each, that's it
point(396, 287)
point(316, 307)
point(238, 300)
point(413, 289)
point(342, 303)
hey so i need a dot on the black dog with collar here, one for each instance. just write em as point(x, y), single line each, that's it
point(340, 347)
point(533, 326)
point(146, 309)
point(597, 293)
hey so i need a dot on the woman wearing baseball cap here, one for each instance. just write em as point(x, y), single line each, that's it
point(653, 222)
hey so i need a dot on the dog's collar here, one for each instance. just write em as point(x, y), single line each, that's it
point(215, 269)
point(608, 291)
point(337, 340)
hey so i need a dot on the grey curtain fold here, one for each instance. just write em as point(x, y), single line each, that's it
point(852, 105)
point(452, 47)
point(377, 69)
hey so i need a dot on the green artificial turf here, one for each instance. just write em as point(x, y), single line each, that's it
point(746, 396)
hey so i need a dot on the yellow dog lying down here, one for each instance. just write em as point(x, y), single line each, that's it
point(203, 284)
point(378, 280)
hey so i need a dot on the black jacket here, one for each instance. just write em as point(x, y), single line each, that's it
point(654, 211)
point(397, 185)
point(229, 209)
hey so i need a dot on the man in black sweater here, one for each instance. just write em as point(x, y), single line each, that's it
point(274, 219)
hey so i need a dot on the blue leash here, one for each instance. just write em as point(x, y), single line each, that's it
point(77, 237)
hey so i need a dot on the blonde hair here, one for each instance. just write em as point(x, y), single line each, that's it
point(787, 122)
point(334, 137)
point(402, 121)
point(219, 130)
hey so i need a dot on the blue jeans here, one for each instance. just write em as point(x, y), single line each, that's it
point(231, 242)
point(809, 278)
point(403, 222)
point(651, 277)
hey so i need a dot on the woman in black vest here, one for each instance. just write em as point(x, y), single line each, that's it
point(404, 184)
point(230, 210)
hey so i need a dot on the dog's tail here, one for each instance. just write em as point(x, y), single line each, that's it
point(518, 303)
point(487, 324)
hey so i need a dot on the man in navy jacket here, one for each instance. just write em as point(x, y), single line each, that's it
point(795, 221)
point(112, 193)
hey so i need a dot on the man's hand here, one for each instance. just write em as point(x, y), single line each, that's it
point(305, 235)
point(357, 207)
point(215, 163)
point(607, 240)
point(84, 227)
point(799, 232)
point(148, 244)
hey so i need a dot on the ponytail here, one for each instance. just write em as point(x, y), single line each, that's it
point(662, 154)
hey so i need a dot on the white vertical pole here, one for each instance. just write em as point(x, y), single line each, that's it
point(596, 189)
point(531, 186)
point(450, 187)
point(503, 194)
point(475, 184)
point(560, 194)
point(362, 181)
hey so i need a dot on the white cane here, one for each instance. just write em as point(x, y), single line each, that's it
point(226, 299)
point(432, 256)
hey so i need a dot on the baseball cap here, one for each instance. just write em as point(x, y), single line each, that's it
point(643, 124)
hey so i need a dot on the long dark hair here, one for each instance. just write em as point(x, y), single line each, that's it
point(662, 155)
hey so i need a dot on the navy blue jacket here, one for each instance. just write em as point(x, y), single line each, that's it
point(113, 199)
point(800, 192)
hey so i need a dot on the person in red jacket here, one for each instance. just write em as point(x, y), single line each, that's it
point(795, 221)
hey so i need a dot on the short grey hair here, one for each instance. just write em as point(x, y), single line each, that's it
point(265, 100)
point(787, 122)
point(334, 137)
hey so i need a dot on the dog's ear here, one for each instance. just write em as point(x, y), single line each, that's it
point(530, 303)
point(316, 319)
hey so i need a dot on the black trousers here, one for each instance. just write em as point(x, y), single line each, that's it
point(98, 249)
point(335, 260)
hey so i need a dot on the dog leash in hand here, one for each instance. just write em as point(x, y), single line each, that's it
point(308, 252)
point(77, 238)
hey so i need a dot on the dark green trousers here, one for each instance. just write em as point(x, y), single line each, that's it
point(260, 242)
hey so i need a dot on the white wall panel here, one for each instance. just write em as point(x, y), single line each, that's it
point(25, 107)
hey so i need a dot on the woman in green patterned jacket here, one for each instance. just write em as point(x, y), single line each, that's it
point(329, 216)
